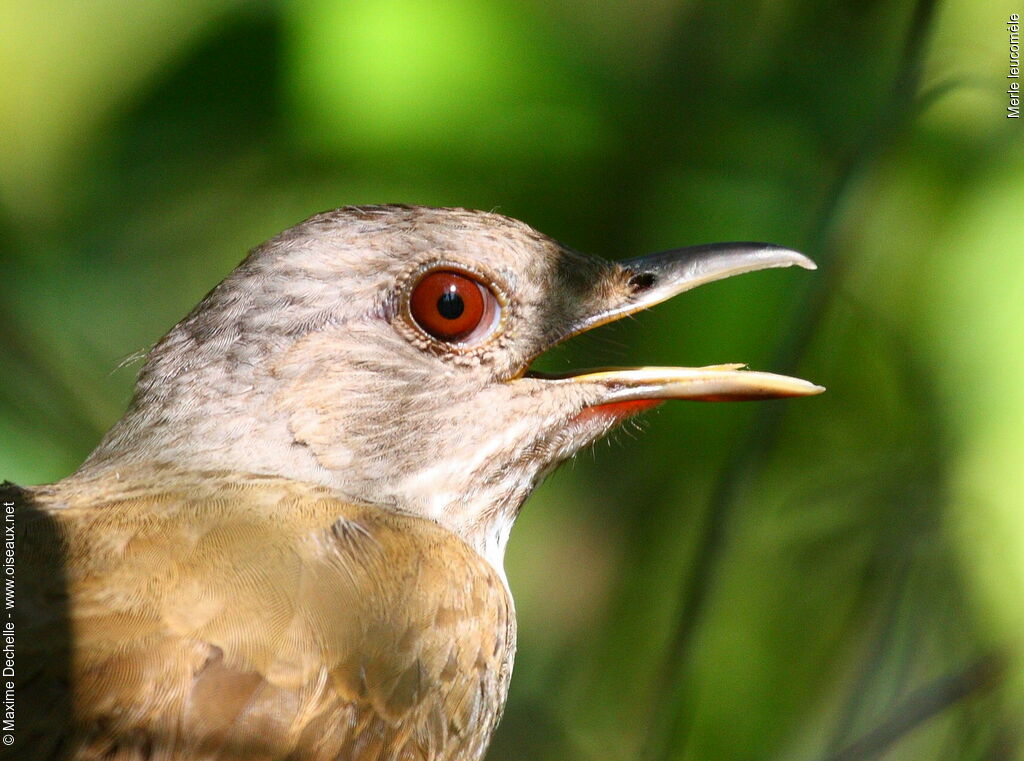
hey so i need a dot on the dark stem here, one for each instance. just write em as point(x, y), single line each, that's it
point(922, 705)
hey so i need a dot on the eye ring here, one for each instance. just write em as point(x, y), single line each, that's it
point(453, 307)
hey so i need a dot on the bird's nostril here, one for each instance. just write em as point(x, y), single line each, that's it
point(642, 281)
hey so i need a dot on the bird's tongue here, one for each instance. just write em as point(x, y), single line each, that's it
point(618, 410)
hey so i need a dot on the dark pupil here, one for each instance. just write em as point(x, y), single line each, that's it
point(450, 305)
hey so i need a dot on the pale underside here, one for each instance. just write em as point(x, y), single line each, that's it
point(225, 617)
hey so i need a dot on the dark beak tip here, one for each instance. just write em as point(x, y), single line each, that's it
point(802, 260)
point(783, 256)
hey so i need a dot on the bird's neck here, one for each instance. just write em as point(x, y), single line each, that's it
point(247, 432)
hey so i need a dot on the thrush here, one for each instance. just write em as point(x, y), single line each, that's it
point(290, 547)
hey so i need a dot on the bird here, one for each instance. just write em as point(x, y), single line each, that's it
point(290, 547)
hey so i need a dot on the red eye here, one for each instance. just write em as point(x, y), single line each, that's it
point(453, 307)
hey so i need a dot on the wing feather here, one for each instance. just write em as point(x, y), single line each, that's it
point(254, 618)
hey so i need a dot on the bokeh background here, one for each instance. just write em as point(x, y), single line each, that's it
point(831, 578)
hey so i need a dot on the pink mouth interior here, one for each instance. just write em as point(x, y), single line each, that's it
point(619, 410)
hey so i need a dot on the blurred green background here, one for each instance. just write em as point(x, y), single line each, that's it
point(838, 577)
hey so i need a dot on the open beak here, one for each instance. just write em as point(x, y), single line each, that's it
point(655, 278)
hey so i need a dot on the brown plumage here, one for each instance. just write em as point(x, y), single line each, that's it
point(290, 547)
point(205, 631)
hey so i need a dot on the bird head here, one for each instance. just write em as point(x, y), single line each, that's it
point(385, 352)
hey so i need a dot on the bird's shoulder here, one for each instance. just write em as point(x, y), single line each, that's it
point(226, 609)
